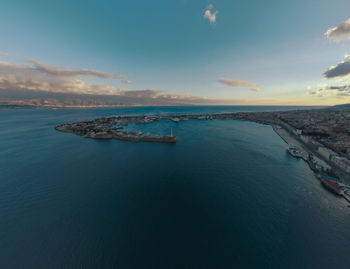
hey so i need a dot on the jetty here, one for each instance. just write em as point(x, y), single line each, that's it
point(112, 128)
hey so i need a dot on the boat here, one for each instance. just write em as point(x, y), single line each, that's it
point(177, 120)
point(332, 185)
point(330, 178)
point(293, 150)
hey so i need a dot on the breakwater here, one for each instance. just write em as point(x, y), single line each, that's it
point(113, 127)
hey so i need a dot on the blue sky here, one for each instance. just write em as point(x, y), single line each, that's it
point(171, 46)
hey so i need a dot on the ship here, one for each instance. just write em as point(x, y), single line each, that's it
point(329, 177)
point(331, 185)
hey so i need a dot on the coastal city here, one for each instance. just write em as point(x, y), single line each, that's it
point(175, 134)
point(321, 137)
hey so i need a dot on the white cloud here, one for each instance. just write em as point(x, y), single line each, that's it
point(238, 83)
point(41, 77)
point(4, 53)
point(126, 81)
point(210, 14)
point(339, 32)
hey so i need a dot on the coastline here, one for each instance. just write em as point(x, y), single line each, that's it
point(305, 153)
point(300, 146)
point(263, 177)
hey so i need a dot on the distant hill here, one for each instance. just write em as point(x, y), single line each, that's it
point(37, 99)
point(342, 106)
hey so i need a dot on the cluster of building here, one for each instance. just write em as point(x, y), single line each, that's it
point(321, 131)
point(330, 127)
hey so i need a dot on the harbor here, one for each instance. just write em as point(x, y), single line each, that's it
point(106, 129)
point(323, 171)
point(332, 173)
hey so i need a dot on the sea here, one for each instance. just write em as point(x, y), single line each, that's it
point(227, 195)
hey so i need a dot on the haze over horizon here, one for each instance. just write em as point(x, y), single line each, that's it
point(183, 52)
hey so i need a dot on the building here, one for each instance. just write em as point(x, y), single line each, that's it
point(325, 152)
point(319, 164)
point(341, 162)
point(297, 132)
point(305, 139)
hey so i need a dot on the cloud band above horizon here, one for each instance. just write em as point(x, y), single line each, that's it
point(330, 91)
point(46, 78)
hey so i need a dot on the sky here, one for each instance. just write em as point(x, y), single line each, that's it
point(236, 52)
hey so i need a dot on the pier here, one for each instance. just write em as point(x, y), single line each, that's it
point(333, 184)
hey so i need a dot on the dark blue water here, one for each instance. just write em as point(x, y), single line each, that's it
point(225, 196)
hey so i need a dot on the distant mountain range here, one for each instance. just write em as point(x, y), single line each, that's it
point(39, 99)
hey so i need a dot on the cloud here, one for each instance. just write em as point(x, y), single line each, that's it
point(238, 83)
point(342, 69)
point(66, 72)
point(332, 91)
point(255, 89)
point(126, 81)
point(339, 32)
point(40, 77)
point(4, 53)
point(157, 94)
point(210, 14)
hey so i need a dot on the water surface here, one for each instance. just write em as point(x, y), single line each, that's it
point(225, 196)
